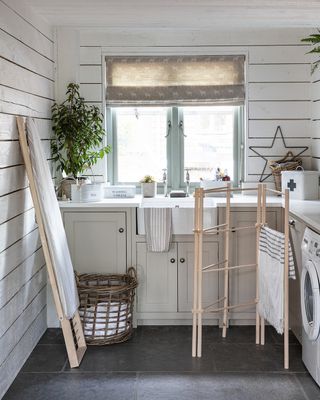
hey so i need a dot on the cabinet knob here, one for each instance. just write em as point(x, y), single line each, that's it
point(182, 260)
point(121, 230)
point(172, 260)
point(292, 222)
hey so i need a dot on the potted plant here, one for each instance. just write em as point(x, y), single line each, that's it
point(78, 134)
point(314, 39)
point(148, 186)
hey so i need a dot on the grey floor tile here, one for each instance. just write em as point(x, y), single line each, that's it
point(148, 357)
point(46, 358)
point(255, 358)
point(308, 386)
point(63, 386)
point(249, 387)
point(167, 387)
point(52, 336)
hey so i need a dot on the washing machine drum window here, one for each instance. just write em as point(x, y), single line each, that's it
point(310, 300)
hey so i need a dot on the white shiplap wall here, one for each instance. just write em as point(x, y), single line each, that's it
point(26, 88)
point(278, 75)
point(316, 119)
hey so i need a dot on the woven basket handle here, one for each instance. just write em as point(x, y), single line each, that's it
point(286, 158)
point(132, 272)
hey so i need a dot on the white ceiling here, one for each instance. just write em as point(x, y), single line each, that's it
point(179, 14)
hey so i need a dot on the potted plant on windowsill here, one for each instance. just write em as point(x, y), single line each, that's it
point(78, 135)
point(148, 186)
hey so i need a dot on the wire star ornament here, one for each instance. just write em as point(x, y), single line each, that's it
point(278, 132)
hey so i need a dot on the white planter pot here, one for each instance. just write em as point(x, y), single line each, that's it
point(149, 189)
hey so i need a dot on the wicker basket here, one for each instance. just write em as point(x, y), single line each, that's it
point(288, 163)
point(106, 306)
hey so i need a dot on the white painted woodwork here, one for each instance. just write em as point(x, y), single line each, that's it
point(16, 77)
point(91, 92)
point(19, 355)
point(18, 252)
point(18, 303)
point(279, 54)
point(16, 228)
point(95, 243)
point(157, 277)
point(210, 292)
point(90, 74)
point(24, 31)
point(279, 73)
point(174, 14)
point(12, 179)
point(242, 282)
point(14, 101)
point(278, 110)
point(26, 89)
point(14, 203)
point(290, 128)
point(11, 337)
point(8, 128)
point(20, 54)
point(296, 235)
point(279, 91)
point(14, 281)
point(90, 55)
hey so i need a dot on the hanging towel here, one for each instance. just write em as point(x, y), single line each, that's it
point(157, 222)
point(271, 272)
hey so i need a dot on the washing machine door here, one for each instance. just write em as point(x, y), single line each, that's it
point(310, 300)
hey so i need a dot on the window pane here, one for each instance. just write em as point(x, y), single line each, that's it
point(141, 142)
point(208, 144)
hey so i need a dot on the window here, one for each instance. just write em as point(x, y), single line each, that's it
point(176, 113)
point(147, 140)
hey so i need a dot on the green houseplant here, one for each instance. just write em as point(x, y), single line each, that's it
point(148, 186)
point(78, 134)
point(314, 39)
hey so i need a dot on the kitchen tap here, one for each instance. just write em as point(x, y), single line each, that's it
point(165, 182)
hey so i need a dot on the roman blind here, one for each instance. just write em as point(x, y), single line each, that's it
point(172, 80)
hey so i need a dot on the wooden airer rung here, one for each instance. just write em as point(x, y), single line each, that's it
point(224, 266)
point(72, 329)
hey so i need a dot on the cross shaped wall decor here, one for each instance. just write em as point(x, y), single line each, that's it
point(278, 131)
point(291, 185)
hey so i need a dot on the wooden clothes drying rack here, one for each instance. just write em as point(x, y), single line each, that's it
point(224, 266)
point(72, 329)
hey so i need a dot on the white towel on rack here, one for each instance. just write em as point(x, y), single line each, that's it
point(157, 222)
point(271, 272)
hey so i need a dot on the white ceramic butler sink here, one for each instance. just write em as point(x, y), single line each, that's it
point(182, 213)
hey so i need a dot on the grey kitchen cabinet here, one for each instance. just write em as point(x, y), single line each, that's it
point(97, 240)
point(242, 282)
point(210, 288)
point(297, 228)
point(166, 279)
point(157, 277)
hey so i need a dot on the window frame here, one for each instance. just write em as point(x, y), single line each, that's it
point(175, 140)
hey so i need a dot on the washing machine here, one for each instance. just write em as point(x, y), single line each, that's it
point(310, 302)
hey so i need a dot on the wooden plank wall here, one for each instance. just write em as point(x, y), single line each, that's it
point(26, 88)
point(315, 91)
point(278, 77)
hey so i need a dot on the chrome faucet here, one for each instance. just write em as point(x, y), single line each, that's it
point(165, 182)
point(187, 182)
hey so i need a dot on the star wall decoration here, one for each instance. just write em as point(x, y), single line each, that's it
point(278, 131)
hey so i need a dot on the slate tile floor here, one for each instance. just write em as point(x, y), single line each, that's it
point(156, 364)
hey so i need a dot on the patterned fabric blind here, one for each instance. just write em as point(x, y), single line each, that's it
point(175, 80)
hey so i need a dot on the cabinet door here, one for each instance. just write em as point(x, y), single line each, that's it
point(185, 275)
point(243, 251)
point(97, 241)
point(157, 277)
point(296, 233)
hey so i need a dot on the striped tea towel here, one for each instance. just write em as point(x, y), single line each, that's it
point(158, 223)
point(271, 273)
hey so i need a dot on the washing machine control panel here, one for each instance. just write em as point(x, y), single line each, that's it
point(311, 244)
